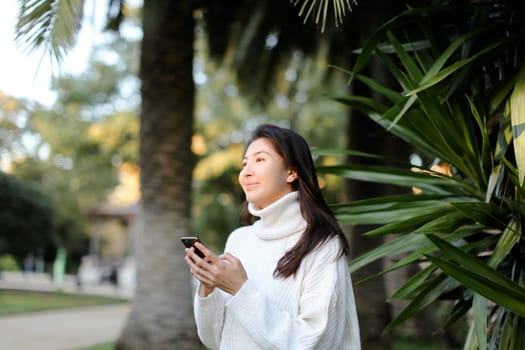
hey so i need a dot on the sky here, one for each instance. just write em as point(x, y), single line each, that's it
point(28, 74)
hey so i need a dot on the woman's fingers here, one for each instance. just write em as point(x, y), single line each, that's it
point(190, 256)
point(202, 269)
point(208, 254)
point(225, 272)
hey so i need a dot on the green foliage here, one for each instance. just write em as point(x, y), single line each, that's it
point(26, 218)
point(457, 66)
point(8, 263)
point(14, 117)
point(217, 211)
point(405, 343)
point(104, 346)
point(73, 151)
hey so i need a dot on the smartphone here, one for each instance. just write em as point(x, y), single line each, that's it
point(189, 242)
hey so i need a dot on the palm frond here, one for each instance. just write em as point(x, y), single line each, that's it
point(459, 101)
point(517, 107)
point(48, 24)
point(317, 10)
point(479, 277)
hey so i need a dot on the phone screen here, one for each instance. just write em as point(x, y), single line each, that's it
point(190, 242)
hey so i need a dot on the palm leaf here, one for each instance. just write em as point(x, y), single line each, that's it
point(479, 277)
point(430, 293)
point(49, 24)
point(479, 309)
point(434, 183)
point(517, 112)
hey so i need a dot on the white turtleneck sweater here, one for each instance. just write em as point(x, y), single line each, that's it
point(315, 309)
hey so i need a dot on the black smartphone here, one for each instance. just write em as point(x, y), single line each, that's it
point(189, 242)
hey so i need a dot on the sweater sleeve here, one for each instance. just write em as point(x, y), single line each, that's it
point(316, 324)
point(209, 317)
point(209, 313)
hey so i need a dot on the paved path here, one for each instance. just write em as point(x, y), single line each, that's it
point(65, 329)
point(68, 329)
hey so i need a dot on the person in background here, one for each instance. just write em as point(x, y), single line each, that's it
point(29, 264)
point(283, 281)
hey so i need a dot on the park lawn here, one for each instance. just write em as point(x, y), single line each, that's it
point(109, 346)
point(18, 301)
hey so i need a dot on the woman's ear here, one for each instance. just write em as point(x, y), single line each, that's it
point(292, 176)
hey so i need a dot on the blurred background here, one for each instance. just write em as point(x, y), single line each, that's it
point(69, 146)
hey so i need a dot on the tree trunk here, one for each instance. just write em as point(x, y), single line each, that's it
point(161, 315)
point(373, 310)
point(365, 135)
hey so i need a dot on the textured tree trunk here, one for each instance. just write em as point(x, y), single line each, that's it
point(365, 135)
point(161, 315)
point(373, 310)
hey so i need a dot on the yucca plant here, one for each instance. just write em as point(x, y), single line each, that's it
point(460, 67)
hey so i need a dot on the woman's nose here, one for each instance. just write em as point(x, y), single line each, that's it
point(246, 170)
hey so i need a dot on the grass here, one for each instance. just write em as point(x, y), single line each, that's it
point(109, 346)
point(18, 301)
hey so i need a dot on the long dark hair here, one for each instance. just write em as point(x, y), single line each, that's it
point(321, 222)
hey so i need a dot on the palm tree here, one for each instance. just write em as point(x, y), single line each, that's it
point(162, 310)
point(459, 102)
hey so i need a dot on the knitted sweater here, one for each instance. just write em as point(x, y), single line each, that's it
point(315, 309)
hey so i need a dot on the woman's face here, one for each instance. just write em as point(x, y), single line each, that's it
point(264, 177)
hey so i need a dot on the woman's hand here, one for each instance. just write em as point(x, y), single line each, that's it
point(229, 275)
point(224, 272)
point(191, 259)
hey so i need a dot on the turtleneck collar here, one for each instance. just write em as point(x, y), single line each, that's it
point(280, 219)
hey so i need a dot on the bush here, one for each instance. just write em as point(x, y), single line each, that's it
point(26, 218)
point(8, 263)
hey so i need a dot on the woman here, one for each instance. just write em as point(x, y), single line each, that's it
point(283, 282)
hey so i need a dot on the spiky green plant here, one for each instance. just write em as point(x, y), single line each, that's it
point(460, 67)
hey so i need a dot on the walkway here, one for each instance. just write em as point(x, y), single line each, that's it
point(68, 329)
point(65, 329)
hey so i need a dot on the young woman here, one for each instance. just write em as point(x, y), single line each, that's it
point(283, 282)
